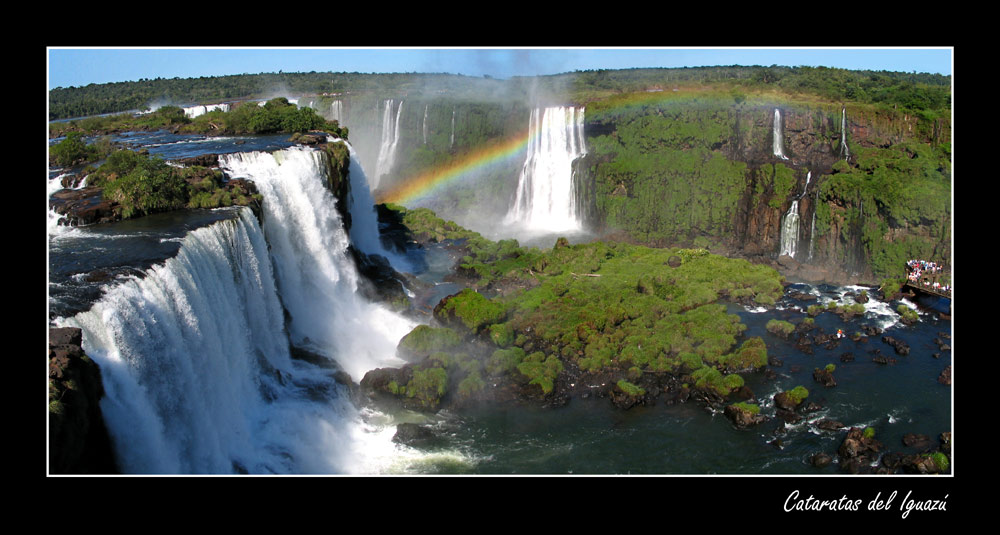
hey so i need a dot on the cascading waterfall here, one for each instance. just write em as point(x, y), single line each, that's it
point(316, 276)
point(778, 150)
point(390, 137)
point(195, 358)
point(545, 199)
point(190, 355)
point(843, 134)
point(364, 218)
point(806, 187)
point(790, 230)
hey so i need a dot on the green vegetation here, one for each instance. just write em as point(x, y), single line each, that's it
point(830, 368)
point(424, 340)
point(779, 327)
point(630, 389)
point(541, 370)
point(869, 432)
point(749, 407)
point(475, 311)
point(892, 286)
point(427, 386)
point(797, 394)
point(908, 314)
point(941, 461)
point(752, 355)
point(600, 307)
point(74, 150)
point(142, 185)
point(276, 116)
point(915, 91)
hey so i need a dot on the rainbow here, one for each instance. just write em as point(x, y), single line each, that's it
point(429, 181)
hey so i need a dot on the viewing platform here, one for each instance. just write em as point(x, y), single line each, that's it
point(925, 277)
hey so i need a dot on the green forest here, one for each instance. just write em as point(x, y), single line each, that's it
point(914, 91)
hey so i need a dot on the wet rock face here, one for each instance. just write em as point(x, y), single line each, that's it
point(78, 439)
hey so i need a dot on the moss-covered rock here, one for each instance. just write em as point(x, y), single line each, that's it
point(424, 340)
point(469, 309)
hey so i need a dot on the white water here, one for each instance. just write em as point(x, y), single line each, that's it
point(390, 137)
point(806, 187)
point(189, 353)
point(364, 218)
point(790, 230)
point(778, 150)
point(194, 355)
point(315, 275)
point(337, 111)
point(812, 237)
point(545, 198)
point(195, 111)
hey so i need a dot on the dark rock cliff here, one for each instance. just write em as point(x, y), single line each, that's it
point(78, 438)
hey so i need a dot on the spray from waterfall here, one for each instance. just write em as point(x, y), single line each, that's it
point(390, 138)
point(545, 199)
point(790, 230)
point(425, 124)
point(778, 151)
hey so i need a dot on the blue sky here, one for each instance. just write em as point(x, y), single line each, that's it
point(81, 66)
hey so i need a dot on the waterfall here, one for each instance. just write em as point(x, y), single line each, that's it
point(790, 231)
point(425, 124)
point(337, 111)
point(806, 187)
point(315, 274)
point(190, 353)
point(812, 236)
point(453, 128)
point(778, 151)
point(194, 355)
point(194, 111)
point(545, 198)
point(390, 137)
point(364, 218)
point(843, 134)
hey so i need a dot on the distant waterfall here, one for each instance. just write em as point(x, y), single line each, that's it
point(453, 128)
point(778, 150)
point(545, 199)
point(195, 111)
point(390, 137)
point(806, 187)
point(790, 231)
point(425, 124)
point(812, 237)
point(337, 111)
point(843, 134)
